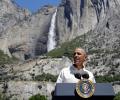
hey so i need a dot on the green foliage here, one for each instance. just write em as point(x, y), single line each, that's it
point(5, 59)
point(117, 96)
point(66, 49)
point(3, 96)
point(38, 97)
point(93, 47)
point(107, 78)
point(56, 53)
point(46, 77)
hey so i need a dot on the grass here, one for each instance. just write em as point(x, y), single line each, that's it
point(38, 97)
point(45, 77)
point(66, 49)
point(5, 59)
point(107, 78)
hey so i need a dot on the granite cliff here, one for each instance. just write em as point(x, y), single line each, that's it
point(95, 24)
point(25, 35)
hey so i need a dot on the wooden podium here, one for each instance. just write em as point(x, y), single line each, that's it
point(66, 91)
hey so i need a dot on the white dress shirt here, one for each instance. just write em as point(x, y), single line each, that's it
point(67, 75)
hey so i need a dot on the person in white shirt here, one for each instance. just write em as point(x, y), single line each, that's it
point(67, 75)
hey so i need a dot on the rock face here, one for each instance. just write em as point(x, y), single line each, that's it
point(25, 35)
point(24, 71)
point(31, 37)
point(23, 90)
point(19, 82)
point(80, 16)
point(22, 34)
point(10, 14)
point(77, 17)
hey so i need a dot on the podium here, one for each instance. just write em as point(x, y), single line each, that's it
point(66, 91)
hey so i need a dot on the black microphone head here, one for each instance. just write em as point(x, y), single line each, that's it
point(77, 75)
point(85, 75)
point(81, 73)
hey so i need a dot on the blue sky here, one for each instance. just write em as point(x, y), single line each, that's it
point(34, 5)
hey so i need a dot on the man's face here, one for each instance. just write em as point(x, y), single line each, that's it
point(79, 56)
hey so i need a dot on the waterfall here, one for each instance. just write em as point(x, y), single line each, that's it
point(51, 35)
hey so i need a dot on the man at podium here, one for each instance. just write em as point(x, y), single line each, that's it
point(77, 71)
point(77, 83)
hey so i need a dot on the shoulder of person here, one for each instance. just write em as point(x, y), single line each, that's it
point(65, 69)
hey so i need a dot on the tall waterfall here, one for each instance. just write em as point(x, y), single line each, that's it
point(51, 35)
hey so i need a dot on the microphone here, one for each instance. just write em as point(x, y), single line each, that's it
point(81, 73)
point(85, 75)
point(77, 75)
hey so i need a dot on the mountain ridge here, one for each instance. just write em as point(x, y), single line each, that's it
point(93, 25)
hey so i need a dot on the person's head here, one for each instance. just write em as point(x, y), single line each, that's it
point(79, 57)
